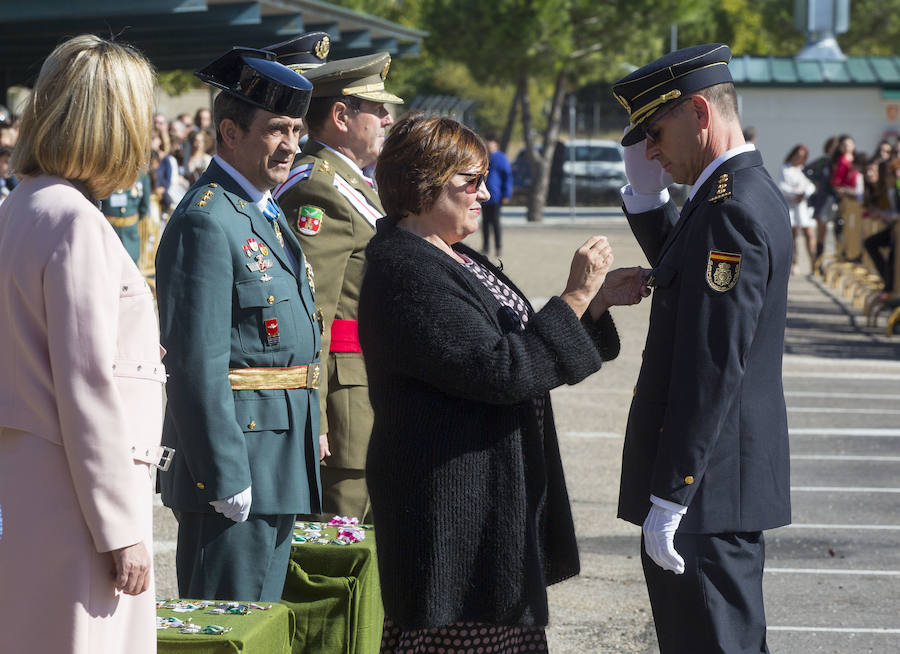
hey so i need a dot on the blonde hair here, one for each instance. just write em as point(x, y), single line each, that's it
point(89, 116)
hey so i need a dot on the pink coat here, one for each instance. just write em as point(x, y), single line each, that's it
point(80, 421)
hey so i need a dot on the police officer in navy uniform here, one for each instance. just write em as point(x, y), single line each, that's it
point(125, 209)
point(705, 465)
point(238, 319)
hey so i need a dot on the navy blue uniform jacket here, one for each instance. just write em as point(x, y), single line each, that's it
point(708, 425)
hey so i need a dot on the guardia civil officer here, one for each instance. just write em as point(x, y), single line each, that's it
point(705, 464)
point(332, 207)
point(125, 209)
point(238, 320)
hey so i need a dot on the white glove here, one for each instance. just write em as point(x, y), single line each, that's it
point(659, 537)
point(645, 176)
point(236, 507)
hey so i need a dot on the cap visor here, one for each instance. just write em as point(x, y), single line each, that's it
point(634, 135)
point(379, 96)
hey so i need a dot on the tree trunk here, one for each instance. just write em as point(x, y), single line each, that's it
point(511, 117)
point(542, 163)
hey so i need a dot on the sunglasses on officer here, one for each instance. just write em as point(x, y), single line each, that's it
point(474, 180)
point(653, 131)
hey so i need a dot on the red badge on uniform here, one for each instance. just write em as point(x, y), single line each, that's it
point(272, 335)
point(309, 220)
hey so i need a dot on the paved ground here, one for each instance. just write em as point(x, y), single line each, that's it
point(832, 578)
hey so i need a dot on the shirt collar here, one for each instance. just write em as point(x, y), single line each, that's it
point(718, 161)
point(257, 197)
point(344, 157)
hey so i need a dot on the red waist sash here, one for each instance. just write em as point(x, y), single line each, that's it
point(344, 336)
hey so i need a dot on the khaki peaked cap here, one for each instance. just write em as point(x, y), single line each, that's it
point(361, 77)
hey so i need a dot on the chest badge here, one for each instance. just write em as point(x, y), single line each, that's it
point(273, 337)
point(722, 270)
point(309, 220)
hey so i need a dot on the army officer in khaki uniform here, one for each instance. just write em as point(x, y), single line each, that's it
point(332, 207)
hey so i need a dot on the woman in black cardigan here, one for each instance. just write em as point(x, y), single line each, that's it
point(471, 511)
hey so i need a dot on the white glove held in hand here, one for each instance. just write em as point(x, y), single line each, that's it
point(645, 177)
point(659, 538)
point(236, 507)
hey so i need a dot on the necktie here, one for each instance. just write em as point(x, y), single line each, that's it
point(271, 212)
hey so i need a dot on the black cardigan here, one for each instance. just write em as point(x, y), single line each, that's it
point(471, 511)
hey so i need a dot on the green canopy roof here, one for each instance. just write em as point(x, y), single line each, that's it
point(187, 33)
point(788, 71)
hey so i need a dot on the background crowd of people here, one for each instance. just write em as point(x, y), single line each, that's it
point(814, 191)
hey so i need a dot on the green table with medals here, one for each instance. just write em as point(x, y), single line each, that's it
point(263, 628)
point(333, 591)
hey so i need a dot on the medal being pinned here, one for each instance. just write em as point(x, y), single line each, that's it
point(722, 270)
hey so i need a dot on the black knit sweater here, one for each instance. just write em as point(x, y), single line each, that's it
point(471, 511)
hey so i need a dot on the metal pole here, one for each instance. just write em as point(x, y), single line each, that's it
point(572, 156)
point(673, 38)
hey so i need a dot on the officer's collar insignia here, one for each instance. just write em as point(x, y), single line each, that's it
point(723, 188)
point(324, 167)
point(722, 270)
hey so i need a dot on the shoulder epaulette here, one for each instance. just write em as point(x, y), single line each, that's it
point(724, 187)
point(207, 196)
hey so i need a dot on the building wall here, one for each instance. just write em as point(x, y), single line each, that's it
point(784, 117)
point(188, 101)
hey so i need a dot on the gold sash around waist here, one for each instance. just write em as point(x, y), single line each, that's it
point(254, 379)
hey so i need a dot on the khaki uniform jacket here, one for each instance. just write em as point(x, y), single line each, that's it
point(335, 247)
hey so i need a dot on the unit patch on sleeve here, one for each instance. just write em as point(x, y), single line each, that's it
point(722, 270)
point(309, 220)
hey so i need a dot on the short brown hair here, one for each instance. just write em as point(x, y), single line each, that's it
point(724, 97)
point(88, 118)
point(227, 106)
point(419, 157)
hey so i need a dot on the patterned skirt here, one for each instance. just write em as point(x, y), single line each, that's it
point(463, 638)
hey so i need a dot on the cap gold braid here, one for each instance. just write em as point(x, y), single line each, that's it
point(644, 111)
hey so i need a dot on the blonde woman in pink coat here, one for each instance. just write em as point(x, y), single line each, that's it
point(81, 382)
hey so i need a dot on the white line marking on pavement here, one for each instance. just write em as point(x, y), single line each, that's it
point(840, 630)
point(832, 571)
point(823, 409)
point(845, 431)
point(845, 396)
point(843, 457)
point(841, 375)
point(842, 489)
point(824, 526)
point(592, 434)
point(800, 359)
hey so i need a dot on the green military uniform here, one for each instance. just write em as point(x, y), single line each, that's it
point(332, 208)
point(238, 321)
point(124, 209)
